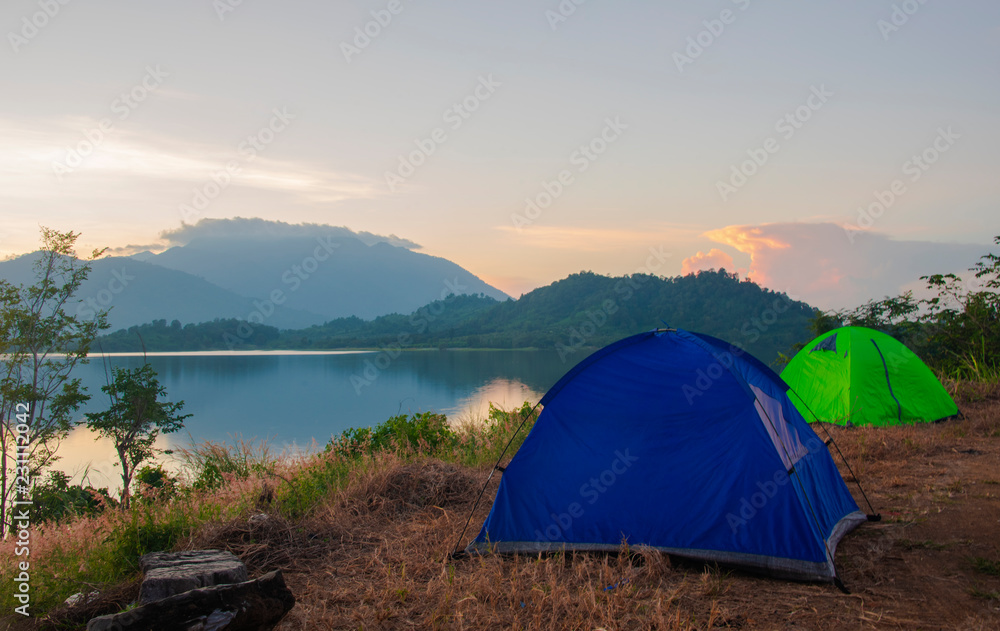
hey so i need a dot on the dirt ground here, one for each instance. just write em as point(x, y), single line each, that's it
point(938, 490)
point(926, 565)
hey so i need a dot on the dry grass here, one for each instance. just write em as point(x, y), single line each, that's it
point(373, 551)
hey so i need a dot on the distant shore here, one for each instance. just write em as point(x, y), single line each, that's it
point(249, 352)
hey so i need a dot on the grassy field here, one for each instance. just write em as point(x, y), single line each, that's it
point(363, 535)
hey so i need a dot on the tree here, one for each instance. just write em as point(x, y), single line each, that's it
point(964, 318)
point(957, 330)
point(41, 341)
point(136, 417)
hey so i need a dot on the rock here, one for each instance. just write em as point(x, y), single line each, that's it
point(169, 573)
point(80, 598)
point(248, 606)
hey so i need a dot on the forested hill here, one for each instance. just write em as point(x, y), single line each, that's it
point(572, 315)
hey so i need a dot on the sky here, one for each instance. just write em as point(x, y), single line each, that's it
point(834, 150)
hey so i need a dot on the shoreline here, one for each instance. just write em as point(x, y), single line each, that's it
point(290, 352)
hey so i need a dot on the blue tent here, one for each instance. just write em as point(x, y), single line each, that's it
point(681, 442)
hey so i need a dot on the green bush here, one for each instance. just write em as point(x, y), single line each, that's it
point(486, 441)
point(56, 499)
point(313, 484)
point(154, 483)
point(427, 432)
point(142, 534)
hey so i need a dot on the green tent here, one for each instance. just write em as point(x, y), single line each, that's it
point(858, 376)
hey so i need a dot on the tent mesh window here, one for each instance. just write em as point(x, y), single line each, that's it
point(829, 344)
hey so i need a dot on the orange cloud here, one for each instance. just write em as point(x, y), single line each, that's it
point(752, 240)
point(828, 267)
point(715, 259)
point(748, 239)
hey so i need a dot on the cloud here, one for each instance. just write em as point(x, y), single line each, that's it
point(240, 227)
point(715, 259)
point(831, 268)
point(124, 156)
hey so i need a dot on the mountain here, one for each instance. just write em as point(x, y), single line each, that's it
point(326, 270)
point(573, 316)
point(270, 273)
point(134, 292)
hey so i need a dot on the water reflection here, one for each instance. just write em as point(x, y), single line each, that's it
point(90, 459)
point(294, 399)
point(503, 393)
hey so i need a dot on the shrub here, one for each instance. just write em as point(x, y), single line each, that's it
point(154, 483)
point(426, 432)
point(483, 442)
point(211, 464)
point(56, 499)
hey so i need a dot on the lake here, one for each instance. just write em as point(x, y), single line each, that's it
point(292, 398)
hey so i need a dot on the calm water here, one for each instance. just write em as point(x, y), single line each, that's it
point(292, 399)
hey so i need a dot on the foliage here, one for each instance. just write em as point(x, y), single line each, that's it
point(211, 464)
point(142, 532)
point(41, 341)
point(427, 432)
point(986, 566)
point(135, 419)
point(56, 499)
point(584, 310)
point(311, 484)
point(484, 442)
point(956, 331)
point(87, 552)
point(93, 552)
point(160, 336)
point(155, 483)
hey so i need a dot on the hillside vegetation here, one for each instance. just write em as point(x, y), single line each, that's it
point(582, 311)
